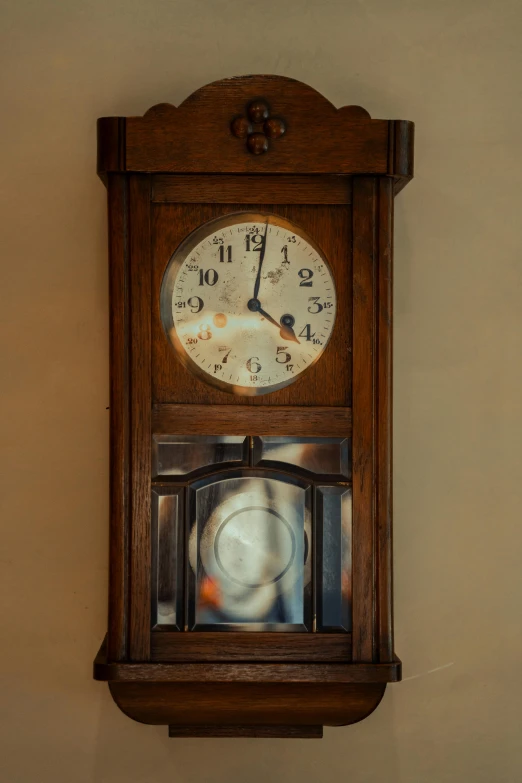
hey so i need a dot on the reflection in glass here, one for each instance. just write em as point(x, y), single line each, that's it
point(249, 554)
point(334, 558)
point(167, 556)
point(177, 455)
point(322, 456)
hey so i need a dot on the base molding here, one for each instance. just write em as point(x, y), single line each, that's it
point(246, 700)
point(266, 732)
point(198, 706)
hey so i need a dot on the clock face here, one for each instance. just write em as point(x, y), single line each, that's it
point(248, 301)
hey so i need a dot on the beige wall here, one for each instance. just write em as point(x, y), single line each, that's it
point(452, 66)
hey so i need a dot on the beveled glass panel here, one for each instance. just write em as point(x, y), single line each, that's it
point(334, 558)
point(179, 455)
point(320, 456)
point(250, 554)
point(167, 557)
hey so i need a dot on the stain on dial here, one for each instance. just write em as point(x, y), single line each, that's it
point(248, 302)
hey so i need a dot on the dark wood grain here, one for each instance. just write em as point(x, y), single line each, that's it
point(245, 672)
point(261, 672)
point(111, 146)
point(140, 559)
point(384, 308)
point(401, 136)
point(363, 409)
point(319, 138)
point(241, 420)
point(247, 703)
point(328, 381)
point(334, 172)
point(259, 732)
point(243, 646)
point(119, 345)
point(249, 188)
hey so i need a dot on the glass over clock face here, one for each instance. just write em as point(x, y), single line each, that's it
point(248, 302)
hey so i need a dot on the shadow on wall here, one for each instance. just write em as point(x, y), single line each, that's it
point(137, 753)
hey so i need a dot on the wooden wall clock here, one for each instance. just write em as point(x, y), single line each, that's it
point(250, 244)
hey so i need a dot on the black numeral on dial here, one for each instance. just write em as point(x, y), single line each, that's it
point(196, 304)
point(315, 307)
point(282, 356)
point(307, 333)
point(254, 241)
point(210, 277)
point(306, 278)
point(253, 365)
point(225, 251)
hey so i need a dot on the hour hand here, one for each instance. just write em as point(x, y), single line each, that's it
point(285, 326)
point(268, 317)
point(286, 332)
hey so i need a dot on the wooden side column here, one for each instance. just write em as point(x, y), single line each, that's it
point(372, 419)
point(118, 209)
point(141, 405)
point(363, 413)
point(384, 291)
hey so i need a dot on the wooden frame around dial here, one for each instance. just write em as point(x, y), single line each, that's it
point(335, 173)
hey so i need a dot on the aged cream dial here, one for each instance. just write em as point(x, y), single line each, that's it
point(248, 302)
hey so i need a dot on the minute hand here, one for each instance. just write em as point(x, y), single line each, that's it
point(261, 259)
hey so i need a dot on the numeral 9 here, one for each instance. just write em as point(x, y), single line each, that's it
point(196, 304)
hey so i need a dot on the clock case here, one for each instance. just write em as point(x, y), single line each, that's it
point(335, 172)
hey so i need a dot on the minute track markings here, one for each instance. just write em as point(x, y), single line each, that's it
point(224, 318)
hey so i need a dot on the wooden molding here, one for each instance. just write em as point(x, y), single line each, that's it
point(260, 732)
point(243, 420)
point(318, 138)
point(247, 703)
point(247, 672)
point(209, 646)
point(251, 189)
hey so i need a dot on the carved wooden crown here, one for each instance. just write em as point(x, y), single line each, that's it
point(286, 127)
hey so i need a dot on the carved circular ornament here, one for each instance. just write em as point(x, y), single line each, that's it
point(258, 114)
